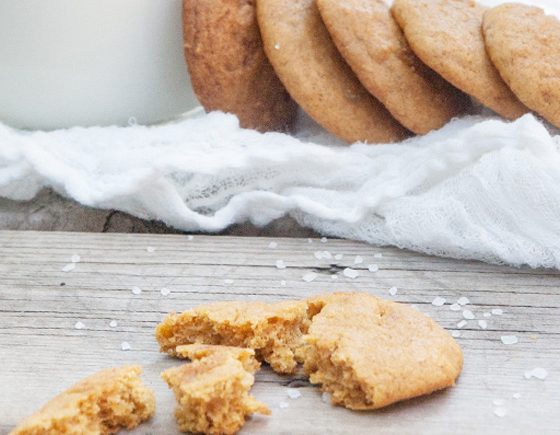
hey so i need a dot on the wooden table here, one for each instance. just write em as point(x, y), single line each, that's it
point(42, 352)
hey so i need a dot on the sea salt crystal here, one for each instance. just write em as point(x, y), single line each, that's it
point(324, 240)
point(468, 314)
point(75, 258)
point(310, 276)
point(113, 324)
point(373, 268)
point(136, 290)
point(438, 301)
point(483, 324)
point(283, 405)
point(69, 267)
point(509, 339)
point(339, 256)
point(272, 245)
point(500, 412)
point(280, 264)
point(351, 273)
point(455, 307)
point(378, 255)
point(322, 255)
point(462, 324)
point(125, 345)
point(358, 260)
point(79, 325)
point(165, 291)
point(326, 397)
point(283, 283)
point(538, 373)
point(463, 301)
point(455, 334)
point(151, 249)
point(228, 281)
point(293, 393)
point(516, 396)
point(497, 311)
point(393, 291)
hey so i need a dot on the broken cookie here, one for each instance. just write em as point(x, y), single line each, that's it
point(103, 403)
point(213, 390)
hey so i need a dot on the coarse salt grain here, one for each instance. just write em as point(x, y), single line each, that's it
point(151, 249)
point(500, 412)
point(272, 245)
point(75, 258)
point(438, 301)
point(69, 267)
point(283, 405)
point(334, 276)
point(455, 307)
point(455, 334)
point(283, 283)
point(79, 325)
point(393, 291)
point(538, 373)
point(373, 268)
point(324, 240)
point(509, 339)
point(359, 259)
point(351, 273)
point(483, 324)
point(468, 314)
point(136, 290)
point(339, 256)
point(497, 311)
point(280, 264)
point(165, 291)
point(516, 396)
point(463, 301)
point(113, 324)
point(293, 393)
point(462, 324)
point(125, 345)
point(310, 276)
point(322, 255)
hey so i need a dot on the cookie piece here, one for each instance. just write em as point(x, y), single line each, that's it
point(523, 43)
point(228, 68)
point(446, 35)
point(314, 73)
point(369, 353)
point(213, 390)
point(273, 330)
point(103, 403)
point(372, 43)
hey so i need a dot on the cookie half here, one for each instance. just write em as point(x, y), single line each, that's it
point(228, 68)
point(446, 35)
point(314, 73)
point(524, 45)
point(374, 46)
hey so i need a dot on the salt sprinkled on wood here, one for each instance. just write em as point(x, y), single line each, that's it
point(283, 283)
point(151, 249)
point(497, 312)
point(483, 324)
point(125, 345)
point(228, 281)
point(455, 334)
point(136, 290)
point(113, 324)
point(393, 291)
point(79, 325)
point(538, 373)
point(310, 276)
point(283, 405)
point(322, 255)
point(324, 240)
point(190, 238)
point(378, 255)
point(334, 276)
point(462, 324)
point(487, 314)
point(272, 245)
point(455, 307)
point(373, 268)
point(463, 301)
point(351, 273)
point(500, 412)
point(359, 259)
point(280, 264)
point(438, 301)
point(339, 256)
point(69, 267)
point(293, 393)
point(516, 396)
point(165, 291)
point(509, 339)
point(468, 314)
point(75, 258)
point(497, 402)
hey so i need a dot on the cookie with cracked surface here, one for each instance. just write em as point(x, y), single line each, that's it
point(228, 68)
point(523, 43)
point(374, 46)
point(103, 403)
point(314, 73)
point(213, 390)
point(447, 36)
point(370, 353)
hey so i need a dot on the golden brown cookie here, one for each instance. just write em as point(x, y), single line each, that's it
point(446, 35)
point(103, 403)
point(273, 330)
point(228, 68)
point(524, 45)
point(213, 390)
point(308, 63)
point(369, 353)
point(372, 43)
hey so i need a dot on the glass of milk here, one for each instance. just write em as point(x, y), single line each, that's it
point(67, 63)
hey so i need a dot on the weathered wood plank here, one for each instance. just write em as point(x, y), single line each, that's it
point(42, 352)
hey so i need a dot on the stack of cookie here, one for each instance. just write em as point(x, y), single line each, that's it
point(367, 72)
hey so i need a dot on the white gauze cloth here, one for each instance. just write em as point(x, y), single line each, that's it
point(479, 188)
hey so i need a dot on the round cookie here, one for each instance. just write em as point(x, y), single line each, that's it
point(446, 35)
point(372, 43)
point(228, 68)
point(307, 62)
point(524, 45)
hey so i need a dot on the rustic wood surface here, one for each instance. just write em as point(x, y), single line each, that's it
point(42, 352)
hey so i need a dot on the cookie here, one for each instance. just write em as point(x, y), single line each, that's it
point(273, 330)
point(307, 62)
point(103, 403)
point(213, 390)
point(228, 68)
point(372, 43)
point(369, 353)
point(523, 43)
point(446, 35)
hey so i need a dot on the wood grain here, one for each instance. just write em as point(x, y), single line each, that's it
point(42, 352)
